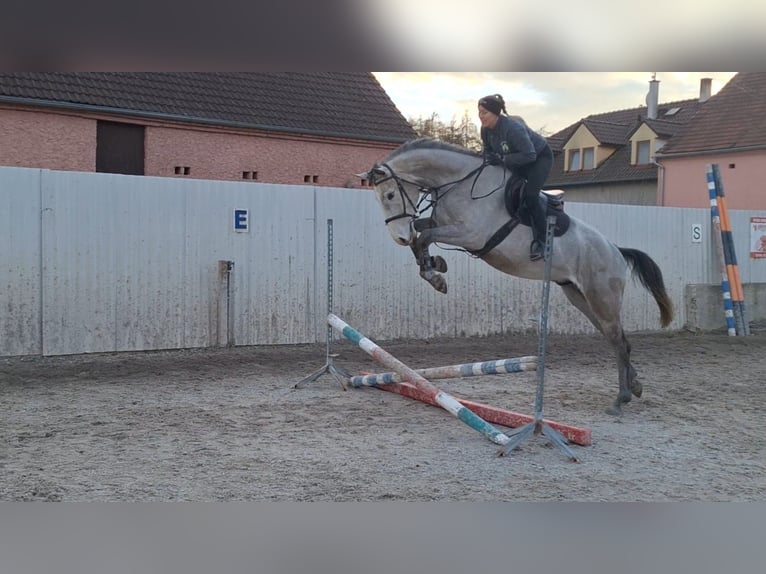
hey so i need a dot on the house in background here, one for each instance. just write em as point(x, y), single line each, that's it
point(729, 130)
point(317, 128)
point(609, 157)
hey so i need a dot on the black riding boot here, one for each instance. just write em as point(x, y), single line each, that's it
point(538, 226)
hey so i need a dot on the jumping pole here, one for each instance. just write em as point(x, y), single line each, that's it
point(728, 307)
point(538, 425)
point(730, 257)
point(444, 400)
point(492, 414)
point(329, 366)
point(499, 367)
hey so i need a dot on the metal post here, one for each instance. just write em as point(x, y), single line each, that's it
point(538, 426)
point(229, 304)
point(329, 367)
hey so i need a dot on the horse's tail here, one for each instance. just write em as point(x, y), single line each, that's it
point(649, 274)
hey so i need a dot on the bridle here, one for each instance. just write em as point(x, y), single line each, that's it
point(430, 192)
point(402, 193)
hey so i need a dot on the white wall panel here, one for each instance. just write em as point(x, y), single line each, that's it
point(20, 253)
point(102, 262)
point(275, 275)
point(114, 272)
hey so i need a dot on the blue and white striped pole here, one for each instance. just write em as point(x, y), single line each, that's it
point(716, 219)
point(444, 400)
point(498, 367)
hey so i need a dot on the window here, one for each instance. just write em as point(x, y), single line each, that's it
point(574, 160)
point(642, 152)
point(588, 158)
point(250, 175)
point(310, 179)
point(182, 170)
point(119, 148)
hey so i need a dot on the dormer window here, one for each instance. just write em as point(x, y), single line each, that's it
point(575, 158)
point(583, 151)
point(580, 159)
point(643, 149)
point(588, 158)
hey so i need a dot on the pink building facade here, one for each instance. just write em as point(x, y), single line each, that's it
point(63, 140)
point(683, 180)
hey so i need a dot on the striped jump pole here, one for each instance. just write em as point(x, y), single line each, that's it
point(728, 308)
point(730, 257)
point(499, 367)
point(496, 415)
point(444, 400)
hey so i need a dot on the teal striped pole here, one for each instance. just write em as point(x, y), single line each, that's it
point(444, 400)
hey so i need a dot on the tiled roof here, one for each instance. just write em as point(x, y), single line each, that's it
point(615, 129)
point(734, 118)
point(607, 132)
point(664, 128)
point(341, 104)
point(616, 169)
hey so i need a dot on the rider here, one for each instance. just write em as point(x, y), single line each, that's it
point(508, 141)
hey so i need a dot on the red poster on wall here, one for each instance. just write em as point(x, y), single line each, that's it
point(758, 237)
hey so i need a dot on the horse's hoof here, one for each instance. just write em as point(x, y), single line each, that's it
point(636, 388)
point(439, 283)
point(439, 264)
point(614, 410)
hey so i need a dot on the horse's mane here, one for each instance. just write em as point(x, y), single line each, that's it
point(430, 143)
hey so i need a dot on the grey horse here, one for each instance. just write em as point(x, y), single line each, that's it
point(468, 209)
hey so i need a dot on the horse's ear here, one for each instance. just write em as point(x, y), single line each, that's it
point(372, 174)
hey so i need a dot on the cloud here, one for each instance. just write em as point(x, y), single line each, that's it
point(550, 100)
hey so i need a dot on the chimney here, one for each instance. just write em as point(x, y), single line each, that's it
point(705, 89)
point(652, 98)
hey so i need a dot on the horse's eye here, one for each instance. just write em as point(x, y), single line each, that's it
point(390, 195)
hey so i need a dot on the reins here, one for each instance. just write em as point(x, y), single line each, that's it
point(432, 193)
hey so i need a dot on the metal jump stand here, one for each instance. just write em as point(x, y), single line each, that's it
point(339, 373)
point(538, 426)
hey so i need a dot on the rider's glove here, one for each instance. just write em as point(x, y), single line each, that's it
point(493, 158)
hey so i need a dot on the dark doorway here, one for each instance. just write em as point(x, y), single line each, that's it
point(119, 148)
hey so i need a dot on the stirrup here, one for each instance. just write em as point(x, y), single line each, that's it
point(535, 250)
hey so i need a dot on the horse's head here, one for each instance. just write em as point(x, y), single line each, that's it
point(422, 165)
point(398, 199)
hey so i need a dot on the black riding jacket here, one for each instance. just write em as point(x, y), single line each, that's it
point(514, 141)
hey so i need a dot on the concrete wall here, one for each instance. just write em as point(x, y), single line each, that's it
point(705, 311)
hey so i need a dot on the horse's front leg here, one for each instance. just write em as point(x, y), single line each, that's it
point(431, 267)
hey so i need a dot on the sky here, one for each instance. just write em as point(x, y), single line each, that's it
point(548, 101)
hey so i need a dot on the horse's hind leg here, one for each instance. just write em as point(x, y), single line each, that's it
point(611, 329)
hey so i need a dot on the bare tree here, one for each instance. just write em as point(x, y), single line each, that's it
point(463, 133)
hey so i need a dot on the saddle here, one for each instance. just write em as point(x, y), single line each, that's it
point(551, 203)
